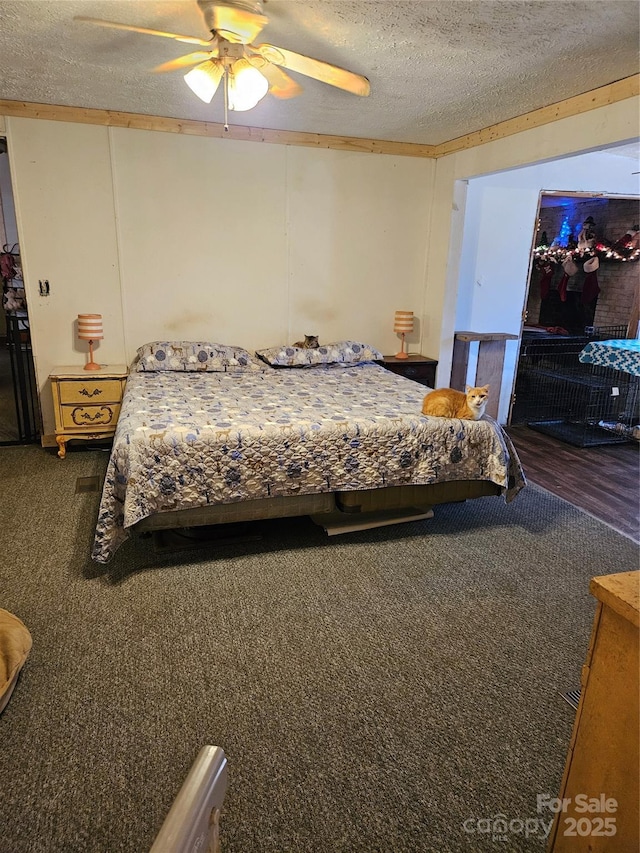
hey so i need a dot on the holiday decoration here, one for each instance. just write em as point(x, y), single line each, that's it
point(603, 250)
point(587, 236)
point(570, 269)
point(547, 271)
point(590, 287)
point(630, 240)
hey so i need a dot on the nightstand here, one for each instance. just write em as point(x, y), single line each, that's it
point(86, 404)
point(417, 367)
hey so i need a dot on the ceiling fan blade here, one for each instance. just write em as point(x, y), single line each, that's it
point(115, 26)
point(331, 74)
point(185, 61)
point(237, 25)
point(280, 84)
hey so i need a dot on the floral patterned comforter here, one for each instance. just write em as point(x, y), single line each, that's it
point(190, 439)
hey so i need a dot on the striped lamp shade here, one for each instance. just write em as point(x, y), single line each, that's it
point(403, 321)
point(90, 327)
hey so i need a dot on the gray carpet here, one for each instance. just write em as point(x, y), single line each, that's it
point(372, 692)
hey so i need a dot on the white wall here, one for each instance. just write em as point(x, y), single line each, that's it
point(201, 236)
point(500, 220)
point(258, 245)
point(184, 237)
point(357, 243)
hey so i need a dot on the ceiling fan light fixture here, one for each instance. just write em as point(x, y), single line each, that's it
point(246, 86)
point(204, 79)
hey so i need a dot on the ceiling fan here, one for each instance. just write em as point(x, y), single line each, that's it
point(249, 70)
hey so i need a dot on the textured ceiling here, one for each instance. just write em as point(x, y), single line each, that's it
point(439, 69)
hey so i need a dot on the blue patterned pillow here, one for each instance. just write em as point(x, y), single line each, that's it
point(193, 356)
point(341, 352)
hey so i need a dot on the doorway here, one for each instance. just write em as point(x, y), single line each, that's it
point(499, 222)
point(19, 408)
point(582, 287)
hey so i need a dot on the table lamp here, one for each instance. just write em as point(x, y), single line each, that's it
point(90, 329)
point(402, 324)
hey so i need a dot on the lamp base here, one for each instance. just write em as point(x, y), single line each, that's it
point(91, 364)
point(402, 354)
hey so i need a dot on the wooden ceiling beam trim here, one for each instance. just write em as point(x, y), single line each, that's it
point(629, 87)
point(111, 118)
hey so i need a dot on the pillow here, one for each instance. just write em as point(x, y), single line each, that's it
point(342, 352)
point(15, 645)
point(193, 356)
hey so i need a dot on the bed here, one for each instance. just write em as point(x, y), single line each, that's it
point(216, 435)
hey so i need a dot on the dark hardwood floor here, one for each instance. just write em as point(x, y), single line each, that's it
point(603, 480)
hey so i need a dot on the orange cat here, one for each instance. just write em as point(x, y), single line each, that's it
point(448, 403)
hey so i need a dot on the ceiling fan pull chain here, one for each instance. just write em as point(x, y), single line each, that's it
point(226, 100)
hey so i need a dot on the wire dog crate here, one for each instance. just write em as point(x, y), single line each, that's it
point(24, 379)
point(581, 404)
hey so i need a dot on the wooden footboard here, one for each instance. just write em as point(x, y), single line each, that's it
point(254, 510)
point(396, 497)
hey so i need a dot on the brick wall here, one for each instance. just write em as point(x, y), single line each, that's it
point(618, 280)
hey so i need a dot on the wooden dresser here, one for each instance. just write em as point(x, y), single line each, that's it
point(86, 403)
point(598, 800)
